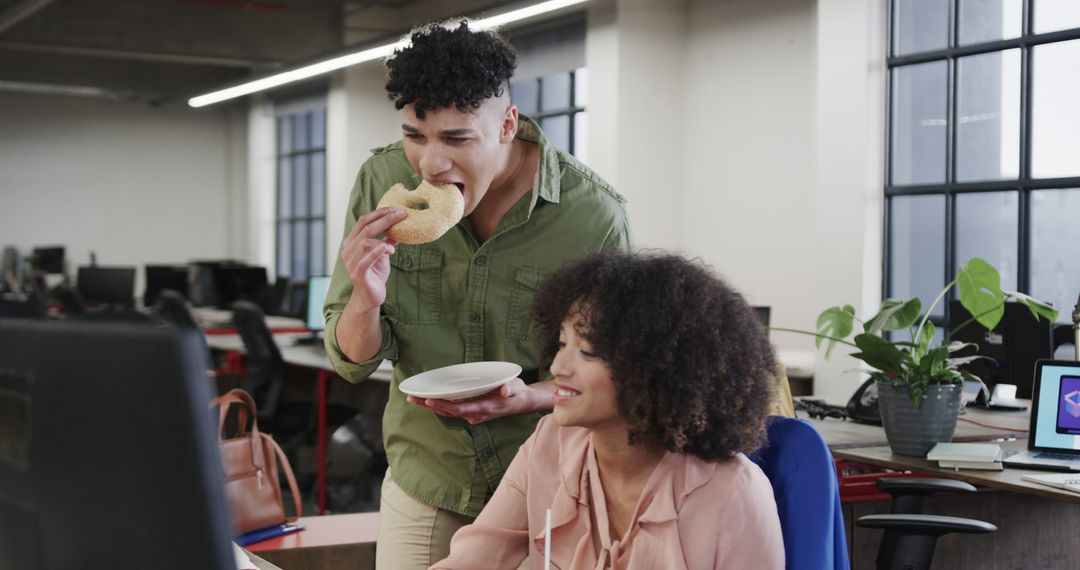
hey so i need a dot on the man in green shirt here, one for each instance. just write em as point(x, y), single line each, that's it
point(529, 208)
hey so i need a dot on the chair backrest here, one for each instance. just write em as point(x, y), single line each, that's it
point(172, 306)
point(803, 476)
point(263, 358)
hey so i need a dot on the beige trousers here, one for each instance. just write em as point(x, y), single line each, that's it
point(412, 535)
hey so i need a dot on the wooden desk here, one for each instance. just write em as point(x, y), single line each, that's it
point(332, 542)
point(1035, 523)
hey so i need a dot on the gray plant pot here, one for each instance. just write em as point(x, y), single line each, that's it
point(913, 431)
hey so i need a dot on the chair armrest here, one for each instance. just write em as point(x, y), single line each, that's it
point(932, 525)
point(922, 486)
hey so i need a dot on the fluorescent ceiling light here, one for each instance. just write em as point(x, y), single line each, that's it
point(339, 62)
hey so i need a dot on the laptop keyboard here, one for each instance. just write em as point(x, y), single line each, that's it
point(1056, 456)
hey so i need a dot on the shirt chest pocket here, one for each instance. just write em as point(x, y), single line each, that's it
point(526, 282)
point(414, 290)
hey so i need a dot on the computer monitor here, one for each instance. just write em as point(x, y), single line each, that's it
point(162, 277)
point(107, 285)
point(234, 283)
point(763, 313)
point(316, 298)
point(112, 462)
point(1014, 345)
point(49, 259)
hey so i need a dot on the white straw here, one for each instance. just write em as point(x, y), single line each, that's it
point(547, 541)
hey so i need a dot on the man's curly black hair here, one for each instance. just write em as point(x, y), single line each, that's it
point(445, 67)
point(691, 363)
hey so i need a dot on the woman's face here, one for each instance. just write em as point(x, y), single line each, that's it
point(585, 392)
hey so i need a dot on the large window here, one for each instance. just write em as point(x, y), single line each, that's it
point(557, 102)
point(300, 220)
point(983, 146)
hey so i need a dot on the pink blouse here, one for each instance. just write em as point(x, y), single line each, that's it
point(692, 514)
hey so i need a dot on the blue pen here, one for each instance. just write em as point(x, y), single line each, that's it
point(267, 533)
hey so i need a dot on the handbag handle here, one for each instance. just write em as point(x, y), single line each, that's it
point(284, 462)
point(238, 396)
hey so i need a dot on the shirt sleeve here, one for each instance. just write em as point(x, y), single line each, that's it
point(361, 201)
point(499, 537)
point(749, 528)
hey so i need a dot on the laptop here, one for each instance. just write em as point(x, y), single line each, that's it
point(1054, 436)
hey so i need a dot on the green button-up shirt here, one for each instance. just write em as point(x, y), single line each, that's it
point(458, 300)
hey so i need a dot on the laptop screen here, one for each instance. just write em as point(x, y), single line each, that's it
point(1056, 407)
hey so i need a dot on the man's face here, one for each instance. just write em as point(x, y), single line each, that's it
point(463, 148)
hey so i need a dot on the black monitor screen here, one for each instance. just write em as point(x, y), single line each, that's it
point(240, 283)
point(107, 285)
point(162, 277)
point(1014, 344)
point(49, 259)
point(100, 467)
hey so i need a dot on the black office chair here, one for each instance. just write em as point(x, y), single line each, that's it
point(71, 302)
point(910, 537)
point(173, 309)
point(265, 367)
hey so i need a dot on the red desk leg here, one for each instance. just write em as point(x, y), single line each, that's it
point(320, 470)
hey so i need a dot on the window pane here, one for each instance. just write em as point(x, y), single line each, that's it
point(917, 244)
point(300, 184)
point(989, 20)
point(921, 25)
point(1053, 15)
point(986, 227)
point(299, 131)
point(581, 86)
point(555, 91)
point(523, 93)
point(284, 184)
point(300, 250)
point(581, 136)
point(318, 184)
point(318, 129)
point(318, 248)
point(284, 141)
point(284, 249)
point(988, 116)
point(919, 123)
point(557, 130)
point(1055, 248)
point(1055, 119)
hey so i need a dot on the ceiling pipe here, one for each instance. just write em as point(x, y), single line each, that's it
point(20, 12)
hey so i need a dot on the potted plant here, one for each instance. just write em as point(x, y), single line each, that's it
point(919, 384)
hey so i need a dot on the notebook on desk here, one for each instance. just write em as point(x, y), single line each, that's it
point(1054, 435)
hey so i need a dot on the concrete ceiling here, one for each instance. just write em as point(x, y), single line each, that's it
point(163, 51)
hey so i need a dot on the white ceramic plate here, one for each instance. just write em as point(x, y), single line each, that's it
point(460, 381)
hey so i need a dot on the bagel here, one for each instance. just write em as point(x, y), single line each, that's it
point(431, 210)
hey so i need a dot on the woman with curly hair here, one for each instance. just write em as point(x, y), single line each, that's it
point(662, 376)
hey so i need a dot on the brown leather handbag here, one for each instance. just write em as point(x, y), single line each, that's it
point(250, 460)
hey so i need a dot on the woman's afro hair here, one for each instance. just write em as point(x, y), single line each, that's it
point(447, 67)
point(693, 367)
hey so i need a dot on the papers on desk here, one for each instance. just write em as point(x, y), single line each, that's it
point(985, 456)
point(242, 560)
point(1067, 481)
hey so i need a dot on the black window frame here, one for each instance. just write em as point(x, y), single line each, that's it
point(571, 111)
point(1023, 185)
point(308, 220)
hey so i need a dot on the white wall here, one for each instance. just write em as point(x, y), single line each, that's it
point(133, 183)
point(748, 133)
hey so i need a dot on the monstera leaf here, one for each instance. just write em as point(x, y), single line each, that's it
point(834, 323)
point(894, 315)
point(1037, 308)
point(978, 285)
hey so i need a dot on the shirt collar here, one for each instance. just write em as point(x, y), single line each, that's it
point(547, 175)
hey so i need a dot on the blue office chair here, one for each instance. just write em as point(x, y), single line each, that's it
point(803, 476)
point(800, 467)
